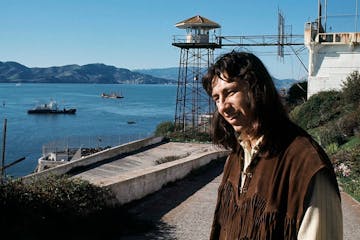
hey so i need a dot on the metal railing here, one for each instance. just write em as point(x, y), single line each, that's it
point(71, 143)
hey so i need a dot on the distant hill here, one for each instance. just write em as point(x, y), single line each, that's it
point(284, 83)
point(172, 74)
point(168, 73)
point(90, 73)
point(13, 72)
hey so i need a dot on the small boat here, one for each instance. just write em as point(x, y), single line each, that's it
point(50, 108)
point(131, 122)
point(111, 95)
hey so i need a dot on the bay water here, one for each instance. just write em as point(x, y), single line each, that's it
point(121, 120)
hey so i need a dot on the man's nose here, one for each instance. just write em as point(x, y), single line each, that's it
point(223, 106)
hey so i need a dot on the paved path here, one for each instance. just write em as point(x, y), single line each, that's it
point(143, 158)
point(184, 210)
point(351, 216)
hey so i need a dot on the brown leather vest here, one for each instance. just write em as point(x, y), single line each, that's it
point(271, 204)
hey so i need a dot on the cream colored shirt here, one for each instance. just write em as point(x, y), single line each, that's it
point(323, 217)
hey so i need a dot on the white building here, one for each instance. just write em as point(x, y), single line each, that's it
point(332, 57)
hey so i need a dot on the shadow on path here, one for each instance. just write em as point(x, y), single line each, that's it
point(153, 207)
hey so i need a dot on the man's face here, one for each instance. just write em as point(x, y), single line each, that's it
point(232, 101)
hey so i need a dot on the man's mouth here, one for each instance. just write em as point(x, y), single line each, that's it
point(233, 117)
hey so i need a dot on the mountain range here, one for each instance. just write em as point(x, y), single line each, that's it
point(89, 73)
point(13, 72)
point(172, 74)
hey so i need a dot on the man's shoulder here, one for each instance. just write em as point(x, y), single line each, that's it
point(305, 153)
point(304, 146)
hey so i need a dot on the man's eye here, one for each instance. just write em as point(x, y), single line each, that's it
point(231, 92)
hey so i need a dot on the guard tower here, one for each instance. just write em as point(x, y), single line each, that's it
point(194, 107)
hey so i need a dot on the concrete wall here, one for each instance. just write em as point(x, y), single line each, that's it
point(332, 58)
point(97, 157)
point(137, 184)
point(332, 64)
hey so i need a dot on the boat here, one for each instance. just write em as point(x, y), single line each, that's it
point(111, 95)
point(50, 108)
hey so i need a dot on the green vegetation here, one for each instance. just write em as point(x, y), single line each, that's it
point(57, 207)
point(164, 129)
point(168, 130)
point(319, 109)
point(190, 136)
point(333, 119)
point(296, 94)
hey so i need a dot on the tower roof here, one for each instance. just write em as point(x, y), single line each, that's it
point(197, 21)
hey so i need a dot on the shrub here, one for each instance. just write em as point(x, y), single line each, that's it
point(57, 207)
point(41, 206)
point(190, 136)
point(297, 94)
point(164, 128)
point(295, 115)
point(329, 134)
point(54, 195)
point(320, 108)
point(332, 148)
point(351, 88)
point(348, 124)
point(169, 130)
point(347, 168)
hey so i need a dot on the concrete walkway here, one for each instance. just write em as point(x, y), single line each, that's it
point(351, 217)
point(146, 157)
point(184, 210)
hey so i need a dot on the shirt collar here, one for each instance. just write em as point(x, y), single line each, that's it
point(254, 149)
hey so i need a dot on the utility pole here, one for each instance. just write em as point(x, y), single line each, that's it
point(3, 150)
point(3, 166)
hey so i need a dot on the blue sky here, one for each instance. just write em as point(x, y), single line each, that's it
point(137, 34)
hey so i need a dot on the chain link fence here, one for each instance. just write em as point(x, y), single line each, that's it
point(68, 146)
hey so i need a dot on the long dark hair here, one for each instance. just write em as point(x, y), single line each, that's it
point(265, 102)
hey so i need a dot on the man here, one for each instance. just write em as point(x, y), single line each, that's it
point(278, 183)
